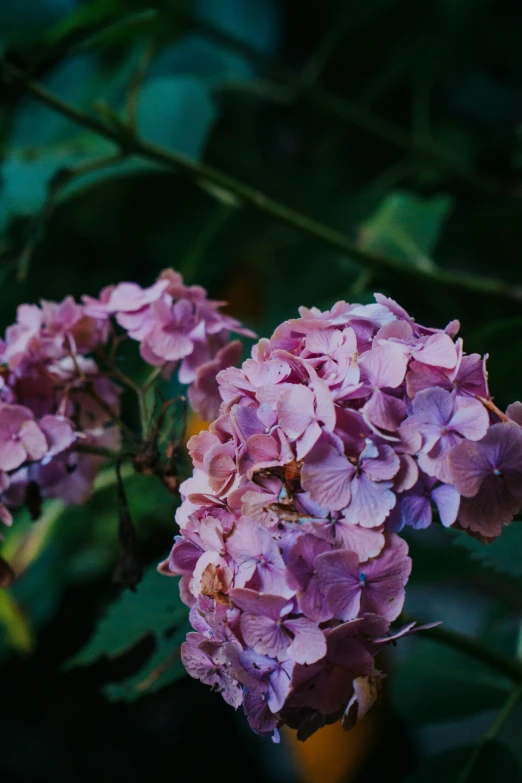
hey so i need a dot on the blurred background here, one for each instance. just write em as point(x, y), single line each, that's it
point(396, 122)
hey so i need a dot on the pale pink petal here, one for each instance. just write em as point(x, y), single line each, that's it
point(370, 503)
point(327, 476)
point(385, 365)
point(384, 411)
point(471, 418)
point(198, 445)
point(246, 421)
point(309, 644)
point(264, 634)
point(12, 455)
point(324, 342)
point(169, 345)
point(447, 500)
point(280, 685)
point(438, 350)
point(337, 574)
point(59, 433)
point(307, 440)
point(262, 448)
point(295, 410)
point(251, 601)
point(365, 542)
point(324, 406)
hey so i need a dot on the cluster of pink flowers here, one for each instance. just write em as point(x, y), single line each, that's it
point(177, 327)
point(52, 396)
point(342, 428)
point(57, 395)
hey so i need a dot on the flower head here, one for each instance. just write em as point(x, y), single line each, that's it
point(340, 430)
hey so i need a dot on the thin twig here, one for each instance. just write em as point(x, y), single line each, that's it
point(329, 103)
point(317, 97)
point(205, 175)
point(153, 377)
point(509, 705)
point(136, 84)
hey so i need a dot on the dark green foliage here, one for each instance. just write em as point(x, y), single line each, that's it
point(154, 608)
point(494, 761)
point(503, 555)
point(405, 226)
point(434, 684)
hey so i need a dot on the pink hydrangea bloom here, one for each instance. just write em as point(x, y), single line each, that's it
point(55, 395)
point(178, 328)
point(45, 402)
point(342, 428)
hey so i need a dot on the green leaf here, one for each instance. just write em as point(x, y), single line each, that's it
point(256, 23)
point(26, 182)
point(176, 112)
point(504, 554)
point(42, 142)
point(494, 762)
point(36, 125)
point(154, 609)
point(436, 684)
point(198, 56)
point(406, 227)
point(163, 667)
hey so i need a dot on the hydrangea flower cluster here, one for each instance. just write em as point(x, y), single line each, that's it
point(57, 395)
point(178, 328)
point(340, 430)
point(52, 397)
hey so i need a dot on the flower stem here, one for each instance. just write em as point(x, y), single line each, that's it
point(153, 377)
point(205, 175)
point(144, 414)
point(493, 732)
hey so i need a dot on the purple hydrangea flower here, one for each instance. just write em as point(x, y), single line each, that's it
point(414, 507)
point(444, 419)
point(345, 426)
point(488, 475)
point(376, 587)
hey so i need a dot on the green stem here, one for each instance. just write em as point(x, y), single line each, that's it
point(493, 732)
point(136, 84)
point(304, 88)
point(153, 377)
point(204, 175)
point(349, 113)
point(144, 414)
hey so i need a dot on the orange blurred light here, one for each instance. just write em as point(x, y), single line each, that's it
point(332, 755)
